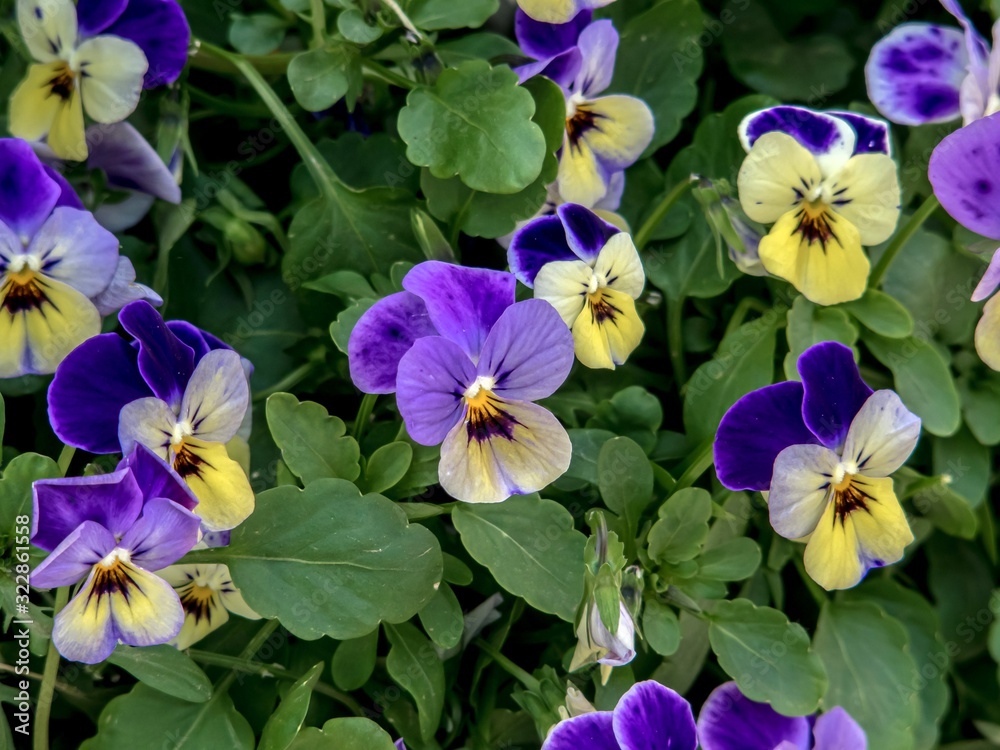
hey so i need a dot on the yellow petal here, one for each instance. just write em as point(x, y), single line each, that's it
point(775, 176)
point(82, 631)
point(622, 127)
point(608, 330)
point(580, 179)
point(67, 137)
point(225, 498)
point(619, 264)
point(866, 193)
point(549, 11)
point(882, 529)
point(827, 271)
point(832, 556)
point(988, 333)
point(36, 110)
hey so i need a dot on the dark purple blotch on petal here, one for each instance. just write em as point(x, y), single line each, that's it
point(538, 242)
point(166, 362)
point(731, 721)
point(546, 40)
point(161, 30)
point(816, 131)
point(382, 336)
point(872, 136)
point(586, 232)
point(964, 170)
point(94, 16)
point(755, 430)
point(833, 391)
point(90, 388)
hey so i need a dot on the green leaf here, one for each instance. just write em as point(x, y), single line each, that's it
point(415, 666)
point(327, 561)
point(759, 56)
point(947, 510)
point(344, 734)
point(341, 328)
point(313, 444)
point(923, 381)
point(769, 657)
point(475, 123)
point(442, 618)
point(659, 59)
point(362, 230)
point(531, 547)
point(687, 267)
point(15, 487)
point(321, 77)
point(744, 362)
point(130, 720)
point(434, 15)
point(257, 33)
point(966, 463)
point(981, 407)
point(354, 661)
point(660, 627)
point(285, 722)
point(632, 412)
point(682, 527)
point(352, 24)
point(868, 661)
point(387, 466)
point(625, 480)
point(735, 560)
point(429, 235)
point(166, 669)
point(810, 324)
point(587, 444)
point(879, 312)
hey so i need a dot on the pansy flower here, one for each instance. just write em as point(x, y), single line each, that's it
point(552, 47)
point(921, 73)
point(176, 390)
point(114, 531)
point(558, 11)
point(963, 172)
point(57, 266)
point(731, 721)
point(824, 448)
point(827, 183)
point(466, 363)
point(590, 271)
point(94, 56)
point(604, 134)
point(648, 717)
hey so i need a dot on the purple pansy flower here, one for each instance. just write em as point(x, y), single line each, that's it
point(731, 721)
point(922, 73)
point(115, 530)
point(177, 390)
point(466, 363)
point(964, 173)
point(604, 134)
point(558, 11)
point(824, 448)
point(59, 269)
point(590, 271)
point(94, 56)
point(648, 717)
point(553, 47)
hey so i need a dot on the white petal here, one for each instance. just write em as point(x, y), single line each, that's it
point(216, 398)
point(800, 489)
point(111, 74)
point(564, 284)
point(149, 421)
point(866, 193)
point(776, 175)
point(882, 436)
point(619, 264)
point(48, 28)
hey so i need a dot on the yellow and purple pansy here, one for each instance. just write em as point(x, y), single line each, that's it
point(177, 390)
point(824, 449)
point(466, 364)
point(94, 56)
point(60, 271)
point(558, 11)
point(114, 531)
point(827, 183)
point(590, 271)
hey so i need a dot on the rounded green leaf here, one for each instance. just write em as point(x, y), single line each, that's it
point(442, 618)
point(387, 466)
point(416, 667)
point(475, 123)
point(660, 627)
point(882, 314)
point(770, 658)
point(682, 527)
point(166, 669)
point(285, 722)
point(434, 15)
point(344, 734)
point(354, 661)
point(313, 444)
point(625, 479)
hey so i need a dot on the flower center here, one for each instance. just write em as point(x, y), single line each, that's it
point(601, 307)
point(21, 291)
point(848, 490)
point(486, 417)
point(816, 223)
point(579, 119)
point(480, 391)
point(115, 557)
point(197, 598)
point(63, 82)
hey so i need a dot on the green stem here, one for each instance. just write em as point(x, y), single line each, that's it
point(380, 71)
point(510, 667)
point(275, 64)
point(403, 18)
point(276, 671)
point(62, 687)
point(364, 414)
point(742, 310)
point(318, 20)
point(65, 458)
point(326, 180)
point(49, 675)
point(244, 659)
point(675, 340)
point(700, 461)
point(649, 226)
point(921, 215)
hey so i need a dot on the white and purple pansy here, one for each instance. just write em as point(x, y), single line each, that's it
point(466, 363)
point(648, 717)
point(558, 11)
point(824, 449)
point(590, 271)
point(60, 271)
point(114, 531)
point(923, 73)
point(965, 173)
point(827, 183)
point(95, 56)
point(176, 390)
point(731, 721)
